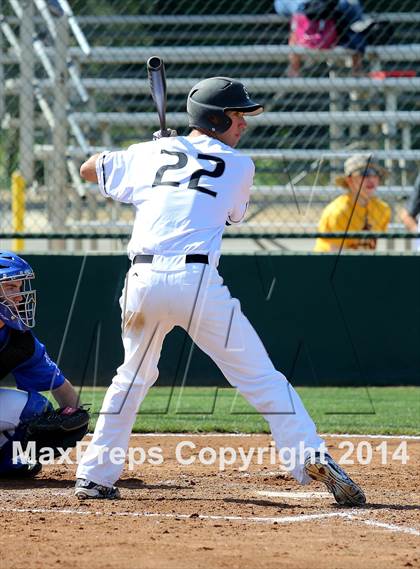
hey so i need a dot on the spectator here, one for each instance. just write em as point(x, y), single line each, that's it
point(323, 24)
point(352, 30)
point(410, 215)
point(358, 209)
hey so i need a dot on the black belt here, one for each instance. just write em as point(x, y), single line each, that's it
point(188, 259)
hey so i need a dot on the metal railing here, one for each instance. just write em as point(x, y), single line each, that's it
point(76, 84)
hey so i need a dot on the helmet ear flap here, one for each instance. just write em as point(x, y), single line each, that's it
point(207, 117)
point(219, 122)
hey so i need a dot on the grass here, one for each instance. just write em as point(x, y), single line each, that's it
point(376, 410)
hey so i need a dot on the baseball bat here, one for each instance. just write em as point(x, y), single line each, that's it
point(157, 80)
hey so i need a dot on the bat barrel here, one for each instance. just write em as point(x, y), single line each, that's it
point(157, 79)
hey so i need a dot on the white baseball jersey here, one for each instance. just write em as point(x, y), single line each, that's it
point(184, 190)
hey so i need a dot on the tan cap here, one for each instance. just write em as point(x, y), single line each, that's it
point(361, 163)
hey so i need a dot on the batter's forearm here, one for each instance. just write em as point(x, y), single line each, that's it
point(88, 169)
point(66, 395)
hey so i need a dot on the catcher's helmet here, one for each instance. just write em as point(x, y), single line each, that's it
point(209, 100)
point(17, 307)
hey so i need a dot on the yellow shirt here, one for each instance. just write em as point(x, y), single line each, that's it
point(375, 216)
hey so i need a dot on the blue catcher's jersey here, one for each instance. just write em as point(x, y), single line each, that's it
point(23, 355)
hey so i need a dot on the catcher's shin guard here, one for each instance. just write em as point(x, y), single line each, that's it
point(345, 491)
point(85, 490)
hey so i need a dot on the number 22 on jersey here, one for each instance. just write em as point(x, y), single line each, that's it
point(163, 178)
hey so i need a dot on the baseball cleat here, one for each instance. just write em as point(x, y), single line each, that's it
point(85, 490)
point(324, 469)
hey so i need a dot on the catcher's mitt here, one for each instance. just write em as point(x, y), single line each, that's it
point(60, 428)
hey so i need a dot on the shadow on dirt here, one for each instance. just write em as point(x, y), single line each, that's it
point(397, 507)
point(264, 503)
point(36, 483)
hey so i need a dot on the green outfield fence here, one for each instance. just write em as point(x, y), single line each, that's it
point(324, 319)
point(73, 81)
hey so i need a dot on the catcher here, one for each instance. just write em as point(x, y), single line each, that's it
point(26, 415)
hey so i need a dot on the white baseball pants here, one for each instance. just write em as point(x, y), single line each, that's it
point(153, 302)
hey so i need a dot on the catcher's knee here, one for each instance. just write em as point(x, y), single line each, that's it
point(36, 404)
point(18, 405)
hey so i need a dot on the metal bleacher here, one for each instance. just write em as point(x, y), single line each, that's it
point(310, 125)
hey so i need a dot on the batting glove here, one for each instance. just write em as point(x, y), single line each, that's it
point(164, 133)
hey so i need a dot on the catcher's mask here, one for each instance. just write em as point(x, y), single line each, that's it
point(17, 299)
point(209, 100)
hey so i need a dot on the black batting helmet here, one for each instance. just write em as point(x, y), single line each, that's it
point(209, 100)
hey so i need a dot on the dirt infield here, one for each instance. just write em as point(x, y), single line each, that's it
point(196, 516)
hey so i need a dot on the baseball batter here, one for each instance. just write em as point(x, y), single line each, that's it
point(25, 358)
point(185, 190)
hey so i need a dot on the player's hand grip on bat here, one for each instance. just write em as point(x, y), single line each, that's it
point(164, 133)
